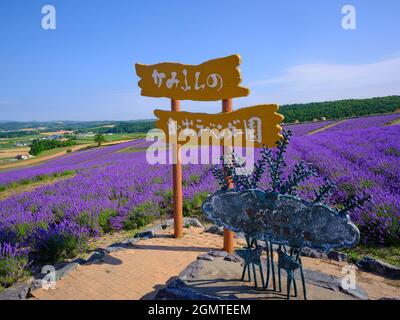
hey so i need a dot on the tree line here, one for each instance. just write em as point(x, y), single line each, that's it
point(339, 109)
point(39, 146)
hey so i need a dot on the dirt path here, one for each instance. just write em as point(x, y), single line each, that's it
point(325, 127)
point(394, 122)
point(39, 159)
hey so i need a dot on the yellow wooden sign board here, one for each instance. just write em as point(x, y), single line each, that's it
point(258, 125)
point(213, 80)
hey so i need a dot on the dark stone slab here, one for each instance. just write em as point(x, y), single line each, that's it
point(118, 247)
point(178, 290)
point(131, 242)
point(313, 253)
point(218, 253)
point(206, 257)
point(16, 292)
point(379, 267)
point(215, 230)
point(233, 258)
point(96, 256)
point(337, 256)
point(193, 278)
point(332, 283)
point(192, 222)
point(146, 234)
point(192, 270)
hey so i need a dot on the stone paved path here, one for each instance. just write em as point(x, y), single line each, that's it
point(138, 272)
point(134, 273)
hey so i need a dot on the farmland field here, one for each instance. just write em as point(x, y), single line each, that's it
point(107, 190)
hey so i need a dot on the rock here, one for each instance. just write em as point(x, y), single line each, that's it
point(61, 273)
point(35, 284)
point(131, 242)
point(218, 253)
point(233, 258)
point(16, 292)
point(167, 224)
point(206, 257)
point(332, 283)
point(192, 222)
point(215, 230)
point(95, 257)
point(115, 248)
point(178, 290)
point(380, 267)
point(192, 270)
point(146, 234)
point(337, 256)
point(312, 253)
point(357, 293)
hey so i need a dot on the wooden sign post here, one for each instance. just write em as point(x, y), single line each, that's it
point(177, 181)
point(217, 79)
point(228, 235)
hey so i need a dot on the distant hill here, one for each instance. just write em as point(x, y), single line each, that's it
point(331, 110)
point(339, 109)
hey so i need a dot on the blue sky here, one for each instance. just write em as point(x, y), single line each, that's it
point(292, 51)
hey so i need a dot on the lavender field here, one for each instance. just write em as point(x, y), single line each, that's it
point(114, 188)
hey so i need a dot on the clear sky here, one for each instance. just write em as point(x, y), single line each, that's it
point(292, 51)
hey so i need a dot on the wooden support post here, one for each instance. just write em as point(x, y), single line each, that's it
point(177, 181)
point(228, 235)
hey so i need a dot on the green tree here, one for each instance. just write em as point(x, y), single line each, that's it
point(99, 138)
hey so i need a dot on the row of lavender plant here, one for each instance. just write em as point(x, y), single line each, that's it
point(302, 129)
point(364, 122)
point(72, 161)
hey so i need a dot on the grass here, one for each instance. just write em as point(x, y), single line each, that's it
point(387, 254)
point(114, 137)
point(29, 184)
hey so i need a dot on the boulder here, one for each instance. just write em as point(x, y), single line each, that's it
point(215, 230)
point(16, 292)
point(233, 258)
point(337, 256)
point(146, 234)
point(178, 290)
point(192, 222)
point(379, 267)
point(313, 253)
point(206, 257)
point(218, 253)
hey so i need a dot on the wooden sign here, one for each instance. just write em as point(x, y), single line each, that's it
point(262, 119)
point(213, 80)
